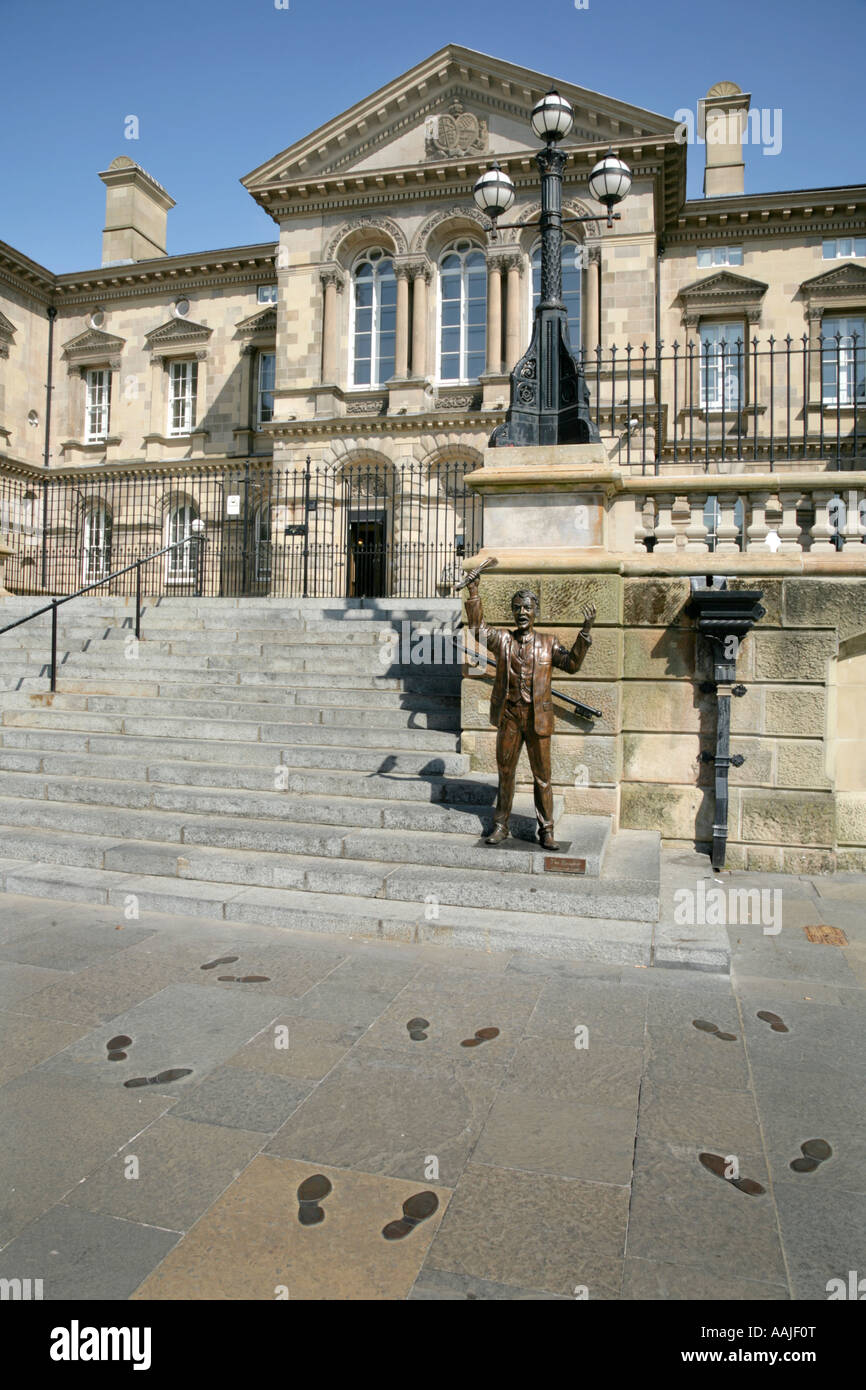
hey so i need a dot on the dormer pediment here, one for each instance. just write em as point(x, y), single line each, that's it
point(842, 282)
point(7, 334)
point(263, 323)
point(93, 345)
point(178, 333)
point(722, 293)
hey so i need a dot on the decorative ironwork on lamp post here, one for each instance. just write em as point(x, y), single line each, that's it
point(549, 399)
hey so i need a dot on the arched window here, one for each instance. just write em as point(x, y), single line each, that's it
point(180, 562)
point(462, 312)
point(572, 279)
point(96, 543)
point(374, 328)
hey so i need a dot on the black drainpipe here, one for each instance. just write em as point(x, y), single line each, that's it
point(46, 457)
point(660, 250)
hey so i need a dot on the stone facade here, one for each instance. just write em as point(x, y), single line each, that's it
point(394, 175)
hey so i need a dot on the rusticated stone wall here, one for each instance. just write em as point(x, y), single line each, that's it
point(798, 803)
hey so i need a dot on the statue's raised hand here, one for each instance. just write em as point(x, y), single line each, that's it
point(589, 615)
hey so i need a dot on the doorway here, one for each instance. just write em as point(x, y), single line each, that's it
point(366, 557)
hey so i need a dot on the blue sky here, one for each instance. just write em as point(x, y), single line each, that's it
point(219, 86)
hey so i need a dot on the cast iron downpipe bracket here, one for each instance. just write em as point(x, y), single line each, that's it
point(724, 617)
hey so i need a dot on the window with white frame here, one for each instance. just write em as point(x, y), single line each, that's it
point(182, 390)
point(843, 360)
point(98, 407)
point(836, 247)
point(266, 294)
point(720, 255)
point(96, 543)
point(462, 312)
point(572, 281)
point(722, 355)
point(374, 319)
point(180, 561)
point(265, 388)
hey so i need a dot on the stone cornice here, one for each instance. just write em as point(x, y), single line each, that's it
point(340, 425)
point(264, 322)
point(646, 156)
point(805, 212)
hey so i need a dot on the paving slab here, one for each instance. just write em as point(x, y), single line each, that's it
point(659, 1281)
point(41, 1158)
point(684, 1215)
point(251, 1244)
point(181, 1168)
point(524, 1131)
point(561, 1234)
point(303, 1049)
point(824, 1235)
point(83, 1255)
point(241, 1099)
point(380, 1113)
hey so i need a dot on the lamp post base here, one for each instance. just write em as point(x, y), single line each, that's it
point(549, 398)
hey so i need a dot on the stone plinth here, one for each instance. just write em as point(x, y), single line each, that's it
point(550, 496)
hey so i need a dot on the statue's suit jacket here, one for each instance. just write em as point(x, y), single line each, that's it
point(548, 652)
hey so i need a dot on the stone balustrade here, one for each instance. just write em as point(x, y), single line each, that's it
point(753, 513)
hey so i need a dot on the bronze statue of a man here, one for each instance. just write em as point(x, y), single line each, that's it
point(521, 706)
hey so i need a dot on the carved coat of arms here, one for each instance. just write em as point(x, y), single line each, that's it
point(455, 133)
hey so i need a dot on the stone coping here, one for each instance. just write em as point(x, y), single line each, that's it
point(553, 477)
point(673, 562)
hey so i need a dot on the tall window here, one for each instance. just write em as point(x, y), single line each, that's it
point(98, 405)
point(96, 544)
point(265, 390)
point(722, 356)
point(843, 360)
point(266, 294)
point(463, 313)
point(183, 386)
point(374, 334)
point(572, 276)
point(180, 562)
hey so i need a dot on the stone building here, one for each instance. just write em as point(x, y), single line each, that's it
point(723, 343)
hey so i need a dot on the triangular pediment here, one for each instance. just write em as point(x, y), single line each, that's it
point(177, 331)
point(93, 341)
point(265, 321)
point(7, 329)
point(724, 285)
point(843, 279)
point(457, 104)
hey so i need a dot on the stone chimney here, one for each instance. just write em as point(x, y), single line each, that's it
point(722, 119)
point(136, 210)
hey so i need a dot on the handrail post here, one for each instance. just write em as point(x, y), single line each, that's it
point(138, 601)
point(54, 607)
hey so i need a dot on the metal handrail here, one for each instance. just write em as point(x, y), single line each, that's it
point(136, 565)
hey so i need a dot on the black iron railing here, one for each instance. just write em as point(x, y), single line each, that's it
point(365, 530)
point(198, 542)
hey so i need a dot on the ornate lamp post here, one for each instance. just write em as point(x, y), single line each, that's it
point(549, 399)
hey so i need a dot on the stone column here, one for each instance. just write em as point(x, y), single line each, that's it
point(401, 351)
point(332, 283)
point(494, 317)
point(592, 309)
point(421, 273)
point(514, 267)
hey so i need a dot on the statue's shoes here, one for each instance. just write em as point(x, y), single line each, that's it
point(497, 835)
point(547, 841)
